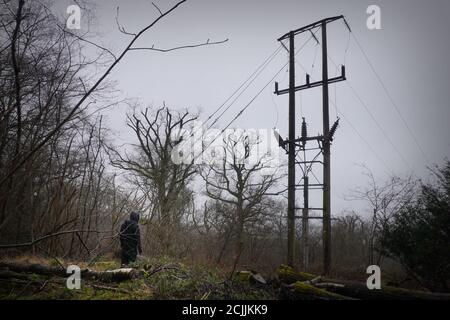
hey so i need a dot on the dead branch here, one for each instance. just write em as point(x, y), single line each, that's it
point(207, 43)
point(31, 243)
point(160, 12)
point(89, 42)
point(163, 268)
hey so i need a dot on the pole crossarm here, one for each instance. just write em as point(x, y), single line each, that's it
point(311, 26)
point(319, 138)
point(315, 218)
point(309, 162)
point(311, 185)
point(310, 85)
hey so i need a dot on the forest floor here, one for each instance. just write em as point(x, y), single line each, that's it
point(166, 279)
point(163, 278)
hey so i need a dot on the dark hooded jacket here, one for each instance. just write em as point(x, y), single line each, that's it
point(130, 235)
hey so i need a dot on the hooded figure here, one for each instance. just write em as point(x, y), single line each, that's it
point(130, 239)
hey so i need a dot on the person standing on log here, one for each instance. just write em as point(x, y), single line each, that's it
point(130, 239)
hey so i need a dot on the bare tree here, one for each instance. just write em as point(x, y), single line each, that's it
point(164, 183)
point(384, 200)
point(241, 185)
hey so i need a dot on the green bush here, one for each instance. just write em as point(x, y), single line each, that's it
point(419, 235)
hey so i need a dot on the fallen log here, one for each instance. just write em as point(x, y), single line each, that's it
point(360, 291)
point(305, 291)
point(33, 268)
point(6, 274)
point(250, 277)
point(116, 275)
point(288, 275)
point(353, 289)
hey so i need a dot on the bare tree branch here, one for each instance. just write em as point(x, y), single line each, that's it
point(120, 27)
point(31, 243)
point(157, 8)
point(207, 43)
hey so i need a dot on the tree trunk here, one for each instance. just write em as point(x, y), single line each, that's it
point(116, 275)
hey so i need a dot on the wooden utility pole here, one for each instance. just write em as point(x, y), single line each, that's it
point(305, 222)
point(326, 238)
point(291, 154)
point(324, 142)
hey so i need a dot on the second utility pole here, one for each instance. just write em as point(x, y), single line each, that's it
point(291, 153)
point(326, 156)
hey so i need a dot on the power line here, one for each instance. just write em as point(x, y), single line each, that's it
point(389, 96)
point(254, 98)
point(263, 65)
point(270, 81)
point(248, 80)
point(267, 62)
point(364, 140)
point(378, 124)
point(244, 108)
point(354, 128)
point(355, 93)
point(363, 103)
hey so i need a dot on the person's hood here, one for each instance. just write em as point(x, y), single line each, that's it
point(134, 216)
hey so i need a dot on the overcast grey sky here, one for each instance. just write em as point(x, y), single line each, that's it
point(410, 53)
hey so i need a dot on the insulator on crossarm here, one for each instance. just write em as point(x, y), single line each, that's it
point(304, 129)
point(333, 129)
